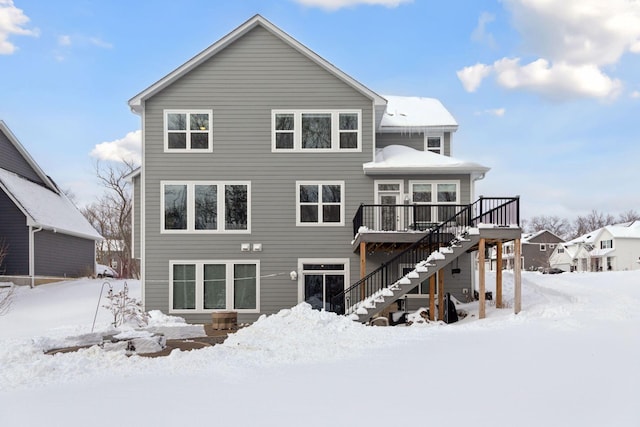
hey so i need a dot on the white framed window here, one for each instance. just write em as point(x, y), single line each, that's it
point(606, 244)
point(322, 279)
point(434, 143)
point(320, 203)
point(208, 286)
point(188, 131)
point(316, 130)
point(205, 207)
point(543, 247)
point(439, 195)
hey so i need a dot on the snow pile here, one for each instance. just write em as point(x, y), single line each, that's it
point(403, 158)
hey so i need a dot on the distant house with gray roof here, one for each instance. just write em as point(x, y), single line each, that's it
point(45, 235)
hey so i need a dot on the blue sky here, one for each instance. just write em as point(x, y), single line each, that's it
point(546, 93)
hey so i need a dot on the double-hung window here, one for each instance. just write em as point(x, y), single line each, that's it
point(206, 286)
point(319, 203)
point(316, 130)
point(206, 207)
point(188, 131)
point(434, 200)
point(434, 143)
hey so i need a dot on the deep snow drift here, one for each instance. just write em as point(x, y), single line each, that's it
point(569, 358)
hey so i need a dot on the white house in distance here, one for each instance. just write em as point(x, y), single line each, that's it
point(610, 248)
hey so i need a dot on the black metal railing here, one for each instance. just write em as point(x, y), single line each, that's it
point(501, 211)
point(414, 217)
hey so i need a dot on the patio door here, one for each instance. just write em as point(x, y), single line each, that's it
point(322, 282)
point(389, 196)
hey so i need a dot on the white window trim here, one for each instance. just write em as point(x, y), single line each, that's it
point(434, 134)
point(434, 191)
point(302, 261)
point(543, 247)
point(377, 192)
point(165, 132)
point(297, 131)
point(299, 223)
point(191, 207)
point(229, 264)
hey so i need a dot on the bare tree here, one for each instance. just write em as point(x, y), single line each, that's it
point(558, 226)
point(590, 222)
point(111, 215)
point(628, 216)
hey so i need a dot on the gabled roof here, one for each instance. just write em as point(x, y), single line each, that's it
point(411, 113)
point(25, 155)
point(46, 208)
point(136, 103)
point(395, 159)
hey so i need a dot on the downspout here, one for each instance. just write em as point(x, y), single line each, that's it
point(32, 263)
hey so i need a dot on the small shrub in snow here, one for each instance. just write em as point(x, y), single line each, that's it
point(124, 308)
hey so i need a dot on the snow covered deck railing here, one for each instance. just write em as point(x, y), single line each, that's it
point(498, 211)
point(403, 218)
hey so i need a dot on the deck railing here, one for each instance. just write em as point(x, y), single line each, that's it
point(500, 211)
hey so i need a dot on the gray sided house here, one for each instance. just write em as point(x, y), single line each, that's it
point(536, 249)
point(270, 177)
point(45, 236)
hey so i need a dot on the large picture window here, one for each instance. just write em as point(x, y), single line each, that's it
point(206, 286)
point(206, 207)
point(188, 130)
point(320, 203)
point(316, 130)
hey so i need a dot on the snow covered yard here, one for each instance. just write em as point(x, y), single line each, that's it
point(569, 358)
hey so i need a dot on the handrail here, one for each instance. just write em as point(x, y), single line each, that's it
point(499, 211)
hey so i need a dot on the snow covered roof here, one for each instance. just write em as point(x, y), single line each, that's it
point(395, 159)
point(627, 230)
point(417, 114)
point(45, 208)
point(136, 103)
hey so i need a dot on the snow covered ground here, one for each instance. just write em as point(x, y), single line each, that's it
point(570, 358)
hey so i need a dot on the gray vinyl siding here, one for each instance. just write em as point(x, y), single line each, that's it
point(534, 258)
point(242, 84)
point(414, 140)
point(136, 216)
point(14, 232)
point(12, 160)
point(61, 255)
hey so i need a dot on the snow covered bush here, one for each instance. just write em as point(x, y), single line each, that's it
point(124, 308)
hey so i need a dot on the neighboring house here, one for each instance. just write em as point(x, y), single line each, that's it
point(611, 248)
point(536, 248)
point(257, 154)
point(46, 235)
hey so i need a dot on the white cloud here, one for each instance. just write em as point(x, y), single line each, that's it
point(127, 148)
point(337, 4)
point(578, 31)
point(100, 43)
point(12, 21)
point(480, 33)
point(635, 94)
point(472, 76)
point(64, 40)
point(557, 81)
point(498, 112)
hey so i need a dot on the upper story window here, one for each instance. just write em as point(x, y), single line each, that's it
point(439, 195)
point(320, 203)
point(316, 130)
point(206, 207)
point(188, 131)
point(606, 244)
point(543, 247)
point(434, 143)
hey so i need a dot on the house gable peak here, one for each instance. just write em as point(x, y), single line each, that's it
point(136, 103)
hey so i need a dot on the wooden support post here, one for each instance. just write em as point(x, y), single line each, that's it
point(441, 294)
point(517, 277)
point(499, 275)
point(432, 297)
point(481, 268)
point(363, 267)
